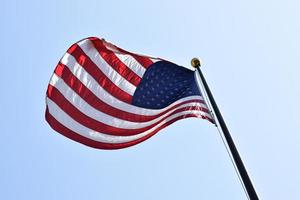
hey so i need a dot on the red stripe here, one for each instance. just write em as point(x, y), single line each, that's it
point(116, 63)
point(143, 60)
point(73, 82)
point(95, 125)
point(57, 126)
point(97, 74)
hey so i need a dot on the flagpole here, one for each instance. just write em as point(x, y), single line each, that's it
point(251, 193)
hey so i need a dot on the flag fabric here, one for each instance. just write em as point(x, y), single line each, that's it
point(108, 98)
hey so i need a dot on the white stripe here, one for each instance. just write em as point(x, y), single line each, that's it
point(89, 49)
point(87, 80)
point(115, 49)
point(132, 63)
point(105, 118)
point(110, 46)
point(71, 124)
point(154, 60)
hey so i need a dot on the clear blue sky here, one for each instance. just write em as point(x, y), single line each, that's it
point(251, 52)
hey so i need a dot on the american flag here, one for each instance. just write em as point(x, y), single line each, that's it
point(108, 98)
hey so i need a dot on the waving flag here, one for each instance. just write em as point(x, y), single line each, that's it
point(105, 97)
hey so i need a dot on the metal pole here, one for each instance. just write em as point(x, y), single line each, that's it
point(235, 154)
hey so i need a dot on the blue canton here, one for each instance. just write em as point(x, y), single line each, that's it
point(164, 83)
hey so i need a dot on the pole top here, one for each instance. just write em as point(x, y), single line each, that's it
point(195, 62)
